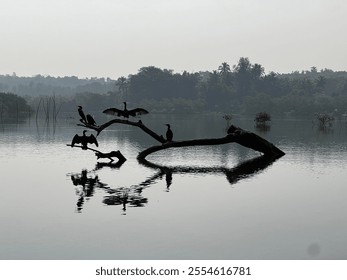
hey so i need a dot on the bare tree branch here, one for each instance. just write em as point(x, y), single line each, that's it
point(138, 124)
point(99, 154)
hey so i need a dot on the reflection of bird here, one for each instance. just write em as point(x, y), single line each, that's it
point(125, 113)
point(84, 140)
point(88, 187)
point(80, 179)
point(90, 120)
point(169, 134)
point(83, 116)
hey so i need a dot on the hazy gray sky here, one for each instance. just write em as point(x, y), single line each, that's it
point(111, 38)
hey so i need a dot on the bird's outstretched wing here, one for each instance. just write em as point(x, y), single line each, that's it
point(113, 111)
point(92, 140)
point(76, 140)
point(137, 111)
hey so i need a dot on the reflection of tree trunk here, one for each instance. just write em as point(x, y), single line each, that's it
point(235, 135)
point(2, 108)
point(248, 168)
point(242, 171)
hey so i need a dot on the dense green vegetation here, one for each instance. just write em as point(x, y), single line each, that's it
point(244, 88)
point(12, 105)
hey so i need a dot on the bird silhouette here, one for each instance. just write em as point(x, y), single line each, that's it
point(84, 140)
point(90, 120)
point(125, 113)
point(83, 116)
point(169, 133)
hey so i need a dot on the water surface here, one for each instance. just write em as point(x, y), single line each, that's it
point(218, 202)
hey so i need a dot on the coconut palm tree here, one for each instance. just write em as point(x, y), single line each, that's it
point(122, 84)
point(224, 69)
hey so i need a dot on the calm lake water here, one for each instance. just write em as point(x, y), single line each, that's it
point(207, 203)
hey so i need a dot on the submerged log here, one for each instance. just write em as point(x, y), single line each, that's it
point(235, 135)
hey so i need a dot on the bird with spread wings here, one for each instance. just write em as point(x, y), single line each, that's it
point(84, 140)
point(125, 113)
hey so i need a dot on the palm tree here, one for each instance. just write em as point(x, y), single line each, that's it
point(257, 71)
point(243, 66)
point(122, 84)
point(224, 68)
point(224, 71)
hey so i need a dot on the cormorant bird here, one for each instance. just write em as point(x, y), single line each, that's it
point(83, 116)
point(232, 129)
point(90, 120)
point(169, 133)
point(125, 113)
point(84, 140)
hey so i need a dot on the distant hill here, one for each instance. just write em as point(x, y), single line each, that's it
point(46, 85)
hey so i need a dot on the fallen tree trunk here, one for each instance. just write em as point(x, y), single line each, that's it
point(253, 141)
point(235, 135)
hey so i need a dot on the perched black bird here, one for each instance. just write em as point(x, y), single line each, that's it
point(84, 140)
point(169, 133)
point(83, 116)
point(90, 120)
point(125, 113)
point(232, 129)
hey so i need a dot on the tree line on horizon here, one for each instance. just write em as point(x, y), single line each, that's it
point(243, 88)
point(12, 105)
